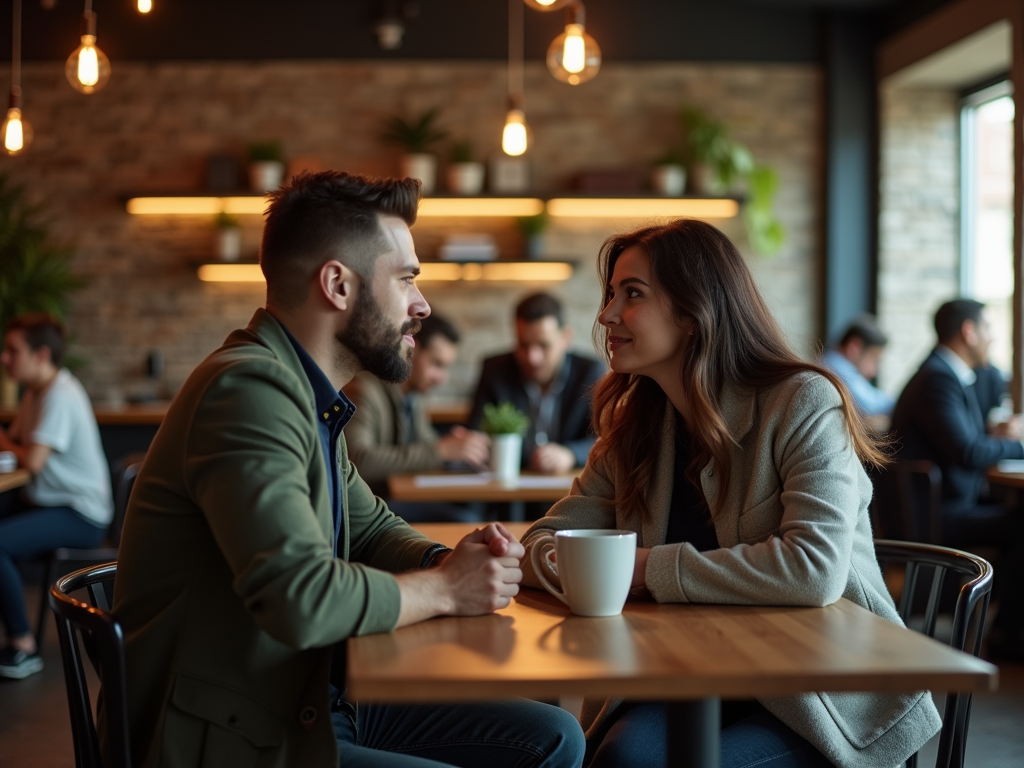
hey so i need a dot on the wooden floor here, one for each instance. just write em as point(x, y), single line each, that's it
point(35, 731)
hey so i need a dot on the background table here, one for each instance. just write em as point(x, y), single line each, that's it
point(1009, 479)
point(405, 488)
point(16, 479)
point(687, 655)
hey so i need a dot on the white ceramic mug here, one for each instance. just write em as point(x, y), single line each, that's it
point(594, 566)
point(8, 461)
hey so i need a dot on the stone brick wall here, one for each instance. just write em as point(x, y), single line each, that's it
point(154, 125)
point(919, 224)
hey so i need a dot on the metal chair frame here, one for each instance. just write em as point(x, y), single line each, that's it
point(102, 641)
point(971, 609)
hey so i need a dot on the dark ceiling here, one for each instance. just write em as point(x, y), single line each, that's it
point(627, 30)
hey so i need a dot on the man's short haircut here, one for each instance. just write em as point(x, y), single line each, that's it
point(434, 325)
point(950, 317)
point(330, 215)
point(866, 329)
point(41, 330)
point(537, 306)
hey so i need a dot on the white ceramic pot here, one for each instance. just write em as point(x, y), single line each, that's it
point(229, 243)
point(668, 180)
point(421, 166)
point(466, 178)
point(265, 175)
point(506, 456)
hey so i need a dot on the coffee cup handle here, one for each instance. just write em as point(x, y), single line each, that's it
point(538, 567)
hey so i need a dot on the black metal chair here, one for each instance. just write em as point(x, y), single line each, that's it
point(61, 559)
point(908, 501)
point(927, 566)
point(92, 629)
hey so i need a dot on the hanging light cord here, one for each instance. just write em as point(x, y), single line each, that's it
point(515, 50)
point(16, 48)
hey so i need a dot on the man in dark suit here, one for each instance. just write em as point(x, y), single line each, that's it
point(938, 418)
point(546, 382)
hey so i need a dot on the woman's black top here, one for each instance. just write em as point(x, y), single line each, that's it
point(689, 518)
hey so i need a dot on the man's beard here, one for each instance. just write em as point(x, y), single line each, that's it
point(376, 344)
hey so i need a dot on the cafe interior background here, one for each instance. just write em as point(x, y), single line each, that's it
point(868, 169)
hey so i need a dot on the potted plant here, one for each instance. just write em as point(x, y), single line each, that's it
point(718, 164)
point(416, 136)
point(506, 425)
point(35, 272)
point(532, 229)
point(668, 174)
point(229, 237)
point(465, 174)
point(266, 166)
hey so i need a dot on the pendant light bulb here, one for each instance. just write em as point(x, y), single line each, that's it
point(88, 68)
point(514, 138)
point(16, 132)
point(145, 6)
point(574, 57)
point(547, 5)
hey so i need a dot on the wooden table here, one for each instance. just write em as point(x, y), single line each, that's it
point(1009, 479)
point(16, 479)
point(687, 655)
point(408, 488)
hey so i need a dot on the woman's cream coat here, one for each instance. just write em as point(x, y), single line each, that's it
point(793, 530)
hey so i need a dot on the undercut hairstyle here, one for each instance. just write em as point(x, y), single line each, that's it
point(41, 330)
point(866, 329)
point(735, 343)
point(952, 315)
point(330, 215)
point(537, 306)
point(434, 325)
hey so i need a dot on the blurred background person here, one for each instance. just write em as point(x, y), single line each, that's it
point(855, 361)
point(68, 503)
point(391, 432)
point(547, 382)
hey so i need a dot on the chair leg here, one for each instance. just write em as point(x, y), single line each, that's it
point(49, 577)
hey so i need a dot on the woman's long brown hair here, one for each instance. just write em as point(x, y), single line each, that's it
point(735, 342)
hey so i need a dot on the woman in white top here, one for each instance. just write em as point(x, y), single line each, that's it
point(739, 466)
point(68, 502)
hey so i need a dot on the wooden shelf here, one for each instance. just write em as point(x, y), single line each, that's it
point(501, 270)
point(628, 206)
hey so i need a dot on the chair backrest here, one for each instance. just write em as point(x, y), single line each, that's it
point(90, 628)
point(909, 501)
point(124, 480)
point(926, 568)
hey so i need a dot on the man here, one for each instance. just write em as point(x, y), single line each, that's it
point(68, 502)
point(938, 418)
point(391, 430)
point(546, 382)
point(855, 360)
point(252, 548)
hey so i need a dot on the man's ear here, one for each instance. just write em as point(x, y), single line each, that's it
point(969, 332)
point(338, 284)
point(567, 334)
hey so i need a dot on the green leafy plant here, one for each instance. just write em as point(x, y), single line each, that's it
point(531, 226)
point(265, 152)
point(35, 272)
point(504, 419)
point(707, 142)
point(415, 135)
point(225, 221)
point(462, 152)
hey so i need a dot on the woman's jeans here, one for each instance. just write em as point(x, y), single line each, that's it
point(638, 739)
point(30, 533)
point(494, 734)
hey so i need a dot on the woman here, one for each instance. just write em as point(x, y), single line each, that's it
point(739, 467)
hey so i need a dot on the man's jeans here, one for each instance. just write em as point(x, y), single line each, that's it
point(494, 734)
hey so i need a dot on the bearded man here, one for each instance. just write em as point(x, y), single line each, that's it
point(252, 549)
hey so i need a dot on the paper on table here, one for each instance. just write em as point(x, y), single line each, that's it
point(526, 481)
point(1011, 465)
point(441, 481)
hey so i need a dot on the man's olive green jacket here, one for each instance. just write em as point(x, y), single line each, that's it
point(227, 585)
